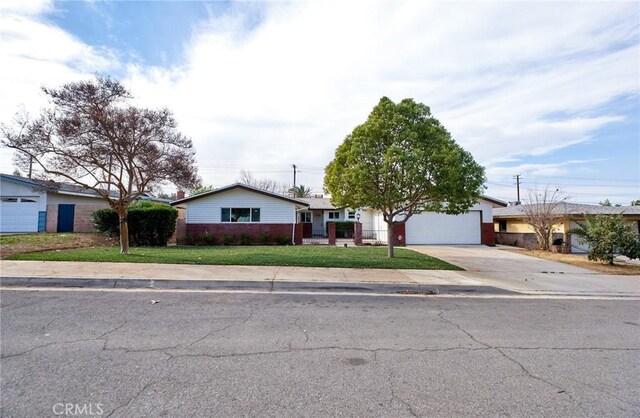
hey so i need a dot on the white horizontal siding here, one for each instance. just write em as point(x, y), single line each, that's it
point(207, 210)
point(11, 189)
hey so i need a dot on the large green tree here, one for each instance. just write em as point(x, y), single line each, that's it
point(402, 161)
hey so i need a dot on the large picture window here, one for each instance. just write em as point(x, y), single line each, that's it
point(240, 215)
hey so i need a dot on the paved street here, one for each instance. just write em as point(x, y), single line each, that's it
point(208, 354)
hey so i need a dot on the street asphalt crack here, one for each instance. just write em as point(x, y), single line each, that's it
point(527, 372)
point(7, 356)
point(104, 335)
point(100, 337)
point(599, 390)
point(566, 348)
point(559, 389)
point(215, 331)
point(306, 335)
point(395, 397)
point(125, 404)
point(291, 349)
point(48, 324)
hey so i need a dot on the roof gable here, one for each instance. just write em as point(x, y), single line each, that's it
point(239, 186)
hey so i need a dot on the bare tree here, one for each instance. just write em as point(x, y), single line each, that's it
point(543, 213)
point(247, 177)
point(91, 137)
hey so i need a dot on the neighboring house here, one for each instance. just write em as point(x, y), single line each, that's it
point(31, 205)
point(240, 209)
point(512, 228)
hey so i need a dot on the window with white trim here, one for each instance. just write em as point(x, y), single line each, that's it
point(240, 215)
point(351, 215)
point(334, 215)
point(305, 217)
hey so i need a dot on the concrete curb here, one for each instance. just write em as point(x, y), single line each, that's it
point(252, 285)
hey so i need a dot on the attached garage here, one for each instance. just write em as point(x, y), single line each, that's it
point(19, 214)
point(438, 228)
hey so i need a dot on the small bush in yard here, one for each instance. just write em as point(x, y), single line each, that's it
point(207, 238)
point(283, 240)
point(150, 224)
point(264, 238)
point(107, 222)
point(607, 237)
point(189, 240)
point(245, 239)
point(227, 239)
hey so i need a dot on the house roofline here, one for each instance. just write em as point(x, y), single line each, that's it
point(27, 181)
point(570, 215)
point(239, 186)
point(496, 201)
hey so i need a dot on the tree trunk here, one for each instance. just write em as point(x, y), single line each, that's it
point(390, 240)
point(124, 232)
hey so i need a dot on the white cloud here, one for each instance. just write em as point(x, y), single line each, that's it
point(34, 53)
point(289, 90)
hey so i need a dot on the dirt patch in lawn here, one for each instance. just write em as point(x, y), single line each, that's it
point(28, 243)
point(581, 260)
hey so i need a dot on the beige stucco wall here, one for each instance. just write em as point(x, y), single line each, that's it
point(84, 207)
point(520, 226)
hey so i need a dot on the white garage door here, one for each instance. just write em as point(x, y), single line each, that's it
point(439, 228)
point(19, 214)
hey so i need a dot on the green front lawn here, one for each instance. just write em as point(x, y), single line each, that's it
point(303, 256)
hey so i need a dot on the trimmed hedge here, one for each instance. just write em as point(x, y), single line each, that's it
point(150, 224)
point(344, 229)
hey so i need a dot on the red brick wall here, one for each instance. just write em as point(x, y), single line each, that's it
point(357, 233)
point(488, 234)
point(299, 234)
point(331, 230)
point(253, 229)
point(399, 235)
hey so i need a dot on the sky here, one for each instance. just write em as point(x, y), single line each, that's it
point(548, 90)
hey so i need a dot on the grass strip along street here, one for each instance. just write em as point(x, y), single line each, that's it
point(301, 256)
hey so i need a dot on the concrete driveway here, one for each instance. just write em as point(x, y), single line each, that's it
point(495, 266)
point(494, 259)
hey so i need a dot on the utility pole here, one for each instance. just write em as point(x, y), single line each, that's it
point(294, 179)
point(517, 177)
point(30, 165)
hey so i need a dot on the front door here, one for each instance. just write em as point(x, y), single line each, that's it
point(65, 217)
point(318, 223)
